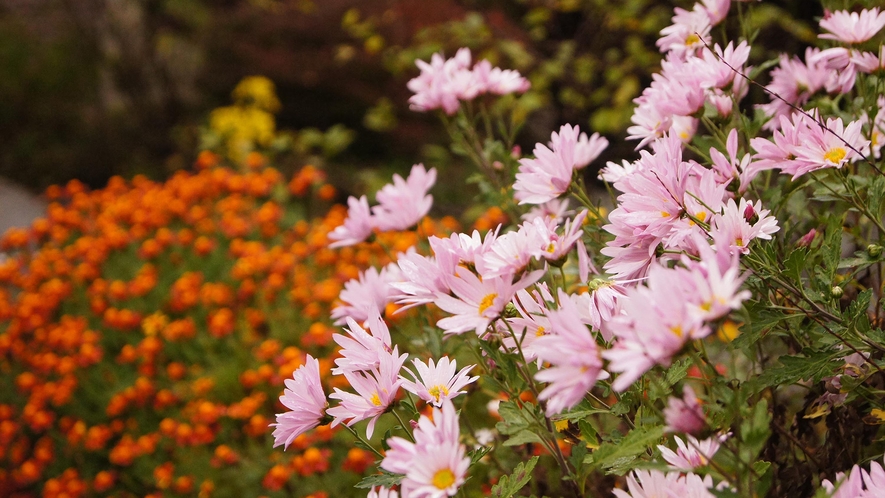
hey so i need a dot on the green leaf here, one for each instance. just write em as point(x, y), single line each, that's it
point(614, 456)
point(524, 436)
point(385, 478)
point(510, 485)
point(813, 366)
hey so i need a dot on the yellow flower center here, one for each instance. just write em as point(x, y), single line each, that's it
point(835, 155)
point(692, 39)
point(376, 400)
point(677, 329)
point(436, 391)
point(551, 248)
point(443, 478)
point(486, 302)
point(665, 214)
point(540, 332)
point(739, 242)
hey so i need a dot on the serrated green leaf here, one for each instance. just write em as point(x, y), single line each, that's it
point(385, 478)
point(508, 486)
point(524, 436)
point(615, 455)
point(813, 366)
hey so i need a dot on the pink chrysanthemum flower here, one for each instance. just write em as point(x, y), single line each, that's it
point(478, 302)
point(656, 484)
point(382, 492)
point(357, 226)
point(693, 453)
point(795, 82)
point(859, 483)
point(688, 33)
point(305, 399)
point(368, 294)
point(360, 350)
point(498, 81)
point(835, 148)
point(376, 391)
point(440, 382)
point(403, 203)
point(852, 27)
point(685, 415)
point(434, 465)
point(571, 351)
point(549, 174)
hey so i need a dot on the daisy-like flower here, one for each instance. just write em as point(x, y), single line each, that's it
point(571, 351)
point(859, 483)
point(587, 149)
point(403, 203)
point(361, 351)
point(376, 390)
point(434, 465)
point(305, 399)
point(368, 294)
point(549, 174)
point(852, 27)
point(498, 81)
point(357, 226)
point(795, 82)
point(423, 279)
point(656, 484)
point(438, 383)
point(693, 453)
point(654, 325)
point(382, 492)
point(739, 224)
point(819, 148)
point(684, 415)
point(687, 34)
point(478, 302)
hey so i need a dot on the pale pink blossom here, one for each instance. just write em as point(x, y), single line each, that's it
point(357, 226)
point(859, 483)
point(478, 302)
point(532, 322)
point(438, 383)
point(435, 465)
point(306, 401)
point(361, 350)
point(376, 391)
point(571, 351)
point(654, 325)
point(684, 415)
point(499, 81)
point(423, 279)
point(832, 147)
point(371, 291)
point(852, 27)
point(587, 149)
point(403, 203)
point(741, 223)
point(382, 492)
point(688, 33)
point(794, 82)
point(692, 453)
point(656, 484)
point(549, 174)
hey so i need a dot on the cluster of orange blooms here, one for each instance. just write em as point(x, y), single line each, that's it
point(146, 330)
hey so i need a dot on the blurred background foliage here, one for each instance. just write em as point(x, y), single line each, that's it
point(94, 88)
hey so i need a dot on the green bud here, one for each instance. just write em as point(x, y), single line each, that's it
point(874, 250)
point(836, 292)
point(510, 311)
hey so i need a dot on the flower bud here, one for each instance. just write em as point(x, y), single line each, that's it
point(874, 250)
